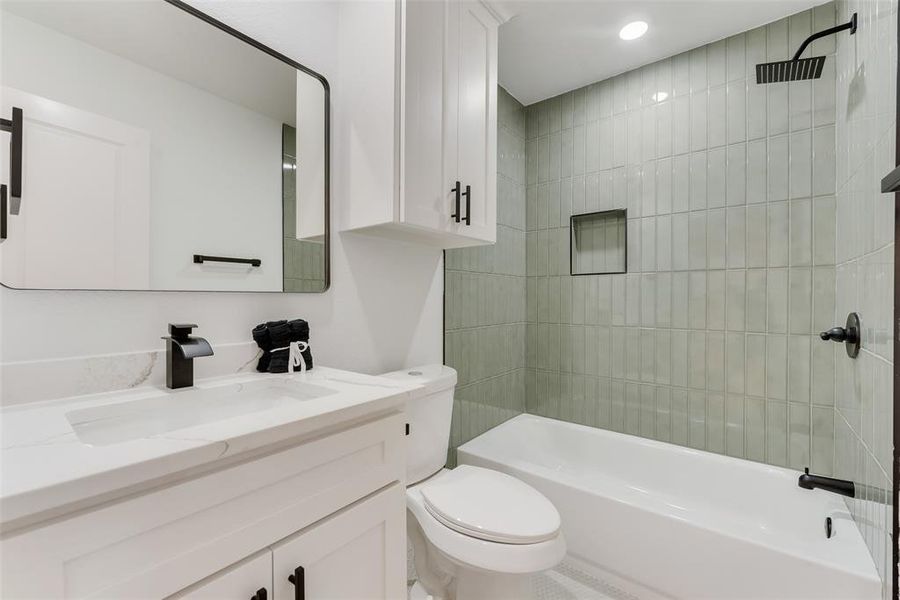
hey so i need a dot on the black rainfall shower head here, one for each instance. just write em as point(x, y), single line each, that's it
point(800, 68)
point(790, 70)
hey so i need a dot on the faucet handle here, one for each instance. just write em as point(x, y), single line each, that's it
point(181, 330)
point(838, 334)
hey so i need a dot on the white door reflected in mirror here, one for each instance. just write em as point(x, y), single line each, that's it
point(152, 136)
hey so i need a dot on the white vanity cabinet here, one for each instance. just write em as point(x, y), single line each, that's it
point(356, 554)
point(250, 579)
point(359, 553)
point(421, 84)
point(331, 503)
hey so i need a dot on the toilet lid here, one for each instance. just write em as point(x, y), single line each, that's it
point(490, 505)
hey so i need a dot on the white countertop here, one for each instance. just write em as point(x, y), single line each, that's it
point(46, 470)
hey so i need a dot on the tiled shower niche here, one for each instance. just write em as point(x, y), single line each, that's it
point(597, 243)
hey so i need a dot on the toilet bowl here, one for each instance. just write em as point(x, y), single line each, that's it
point(476, 534)
point(479, 534)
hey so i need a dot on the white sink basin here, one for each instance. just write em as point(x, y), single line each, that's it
point(170, 411)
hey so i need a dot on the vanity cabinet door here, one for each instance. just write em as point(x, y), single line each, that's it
point(248, 580)
point(356, 553)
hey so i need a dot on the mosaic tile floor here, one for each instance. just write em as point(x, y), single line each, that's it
point(569, 581)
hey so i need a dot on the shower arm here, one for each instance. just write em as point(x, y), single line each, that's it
point(851, 25)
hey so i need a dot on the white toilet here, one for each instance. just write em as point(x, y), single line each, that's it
point(477, 534)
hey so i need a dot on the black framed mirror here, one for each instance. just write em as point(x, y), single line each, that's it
point(159, 149)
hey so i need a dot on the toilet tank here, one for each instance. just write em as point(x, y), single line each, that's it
point(428, 413)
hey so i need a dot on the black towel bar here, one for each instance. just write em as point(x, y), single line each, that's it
point(202, 258)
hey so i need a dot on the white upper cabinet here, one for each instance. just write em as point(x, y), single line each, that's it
point(438, 123)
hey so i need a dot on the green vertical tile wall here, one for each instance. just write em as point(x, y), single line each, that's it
point(709, 340)
point(866, 104)
point(484, 337)
point(754, 222)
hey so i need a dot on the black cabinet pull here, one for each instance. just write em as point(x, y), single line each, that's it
point(261, 594)
point(456, 190)
point(468, 195)
point(3, 211)
point(299, 581)
point(14, 127)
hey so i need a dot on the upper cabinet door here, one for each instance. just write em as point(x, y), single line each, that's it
point(441, 190)
point(424, 199)
point(476, 140)
point(357, 553)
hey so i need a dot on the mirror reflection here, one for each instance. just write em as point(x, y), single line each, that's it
point(158, 152)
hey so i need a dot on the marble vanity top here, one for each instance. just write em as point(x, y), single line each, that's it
point(62, 455)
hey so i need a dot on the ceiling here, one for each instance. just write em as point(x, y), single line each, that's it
point(552, 46)
point(166, 39)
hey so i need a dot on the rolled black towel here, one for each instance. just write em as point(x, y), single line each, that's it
point(280, 335)
point(264, 341)
point(300, 333)
point(274, 338)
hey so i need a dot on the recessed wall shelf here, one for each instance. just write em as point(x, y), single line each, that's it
point(598, 243)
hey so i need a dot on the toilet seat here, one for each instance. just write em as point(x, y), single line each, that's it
point(490, 505)
point(480, 554)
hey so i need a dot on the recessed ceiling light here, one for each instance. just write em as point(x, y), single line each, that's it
point(660, 96)
point(633, 30)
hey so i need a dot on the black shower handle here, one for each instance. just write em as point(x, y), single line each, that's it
point(837, 334)
point(849, 334)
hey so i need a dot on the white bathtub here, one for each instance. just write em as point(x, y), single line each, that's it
point(684, 523)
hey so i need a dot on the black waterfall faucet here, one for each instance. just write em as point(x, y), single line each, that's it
point(829, 484)
point(181, 350)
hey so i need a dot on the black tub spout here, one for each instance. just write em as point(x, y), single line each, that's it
point(829, 484)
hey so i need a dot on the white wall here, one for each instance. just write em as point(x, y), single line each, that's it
point(215, 165)
point(384, 308)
